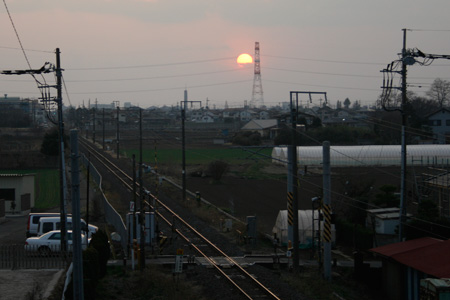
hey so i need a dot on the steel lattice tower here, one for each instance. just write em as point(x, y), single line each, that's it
point(257, 94)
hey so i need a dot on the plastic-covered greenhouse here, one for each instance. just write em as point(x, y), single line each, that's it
point(367, 155)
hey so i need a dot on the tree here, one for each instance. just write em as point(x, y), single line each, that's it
point(439, 91)
point(347, 103)
point(387, 198)
point(50, 144)
point(338, 104)
point(356, 105)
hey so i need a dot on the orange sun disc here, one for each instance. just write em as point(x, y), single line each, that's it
point(244, 58)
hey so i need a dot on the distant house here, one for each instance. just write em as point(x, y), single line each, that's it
point(439, 121)
point(246, 115)
point(406, 263)
point(267, 128)
point(264, 115)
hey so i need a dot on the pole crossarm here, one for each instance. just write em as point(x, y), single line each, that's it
point(46, 68)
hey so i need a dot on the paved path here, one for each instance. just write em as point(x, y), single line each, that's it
point(18, 283)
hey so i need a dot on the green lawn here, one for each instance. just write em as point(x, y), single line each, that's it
point(46, 186)
point(201, 156)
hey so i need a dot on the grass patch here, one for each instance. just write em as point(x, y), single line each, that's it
point(201, 155)
point(46, 186)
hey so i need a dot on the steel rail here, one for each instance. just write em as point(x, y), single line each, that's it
point(97, 154)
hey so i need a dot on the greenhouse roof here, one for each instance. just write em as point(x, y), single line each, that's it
point(366, 155)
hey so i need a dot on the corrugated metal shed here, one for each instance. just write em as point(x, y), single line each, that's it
point(427, 255)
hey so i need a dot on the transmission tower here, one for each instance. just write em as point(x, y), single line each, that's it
point(257, 94)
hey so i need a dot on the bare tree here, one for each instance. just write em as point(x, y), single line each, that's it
point(439, 91)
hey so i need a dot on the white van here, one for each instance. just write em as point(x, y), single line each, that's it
point(33, 222)
point(47, 224)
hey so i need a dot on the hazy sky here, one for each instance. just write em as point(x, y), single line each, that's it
point(148, 52)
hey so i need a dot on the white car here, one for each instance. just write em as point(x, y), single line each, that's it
point(51, 242)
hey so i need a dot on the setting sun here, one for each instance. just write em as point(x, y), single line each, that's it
point(244, 58)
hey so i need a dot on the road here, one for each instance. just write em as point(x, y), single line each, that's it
point(13, 230)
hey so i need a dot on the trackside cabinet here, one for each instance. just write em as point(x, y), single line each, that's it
point(134, 230)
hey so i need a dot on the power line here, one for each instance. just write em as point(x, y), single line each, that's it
point(157, 77)
point(163, 89)
point(152, 65)
point(29, 50)
point(324, 60)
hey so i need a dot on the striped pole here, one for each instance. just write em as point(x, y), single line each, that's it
point(326, 208)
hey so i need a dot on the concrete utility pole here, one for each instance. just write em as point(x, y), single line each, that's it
point(183, 105)
point(142, 196)
point(326, 211)
point(78, 291)
point(62, 173)
point(117, 133)
point(403, 150)
point(93, 125)
point(103, 127)
point(292, 193)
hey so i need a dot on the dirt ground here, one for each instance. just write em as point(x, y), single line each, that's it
point(264, 198)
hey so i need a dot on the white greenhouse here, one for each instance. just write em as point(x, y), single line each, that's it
point(367, 155)
point(305, 227)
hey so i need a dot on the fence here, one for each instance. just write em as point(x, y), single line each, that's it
point(111, 215)
point(17, 257)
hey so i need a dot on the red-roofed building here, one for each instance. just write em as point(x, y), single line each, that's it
point(406, 263)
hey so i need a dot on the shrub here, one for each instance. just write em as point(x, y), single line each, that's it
point(100, 243)
point(217, 168)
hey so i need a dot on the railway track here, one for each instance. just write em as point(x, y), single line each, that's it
point(241, 280)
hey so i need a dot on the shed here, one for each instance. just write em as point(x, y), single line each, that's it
point(406, 263)
point(18, 192)
point(384, 220)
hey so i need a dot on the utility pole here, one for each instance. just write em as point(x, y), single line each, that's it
point(117, 133)
point(326, 211)
point(402, 220)
point(183, 105)
point(103, 127)
point(134, 202)
point(93, 125)
point(62, 175)
point(142, 196)
point(78, 291)
point(292, 193)
point(87, 190)
point(408, 57)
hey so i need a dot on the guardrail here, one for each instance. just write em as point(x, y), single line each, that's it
point(112, 216)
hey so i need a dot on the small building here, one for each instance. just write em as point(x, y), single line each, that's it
point(18, 192)
point(384, 220)
point(266, 128)
point(405, 264)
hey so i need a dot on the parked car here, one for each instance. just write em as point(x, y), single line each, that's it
point(47, 224)
point(33, 222)
point(51, 242)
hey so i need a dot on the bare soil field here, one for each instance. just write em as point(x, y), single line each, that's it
point(264, 198)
